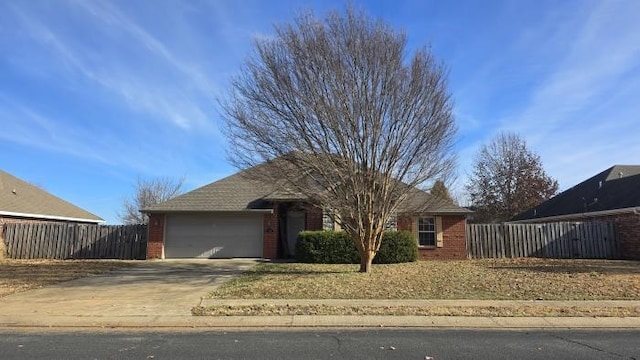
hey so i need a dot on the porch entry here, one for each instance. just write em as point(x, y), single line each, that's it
point(296, 221)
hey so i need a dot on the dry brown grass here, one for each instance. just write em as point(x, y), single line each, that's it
point(523, 279)
point(22, 275)
point(321, 309)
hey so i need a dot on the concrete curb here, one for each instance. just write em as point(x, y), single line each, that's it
point(329, 321)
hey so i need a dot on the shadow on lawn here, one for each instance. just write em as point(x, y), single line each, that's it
point(285, 267)
point(300, 272)
point(619, 267)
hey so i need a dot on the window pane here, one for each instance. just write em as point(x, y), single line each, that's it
point(426, 224)
point(427, 239)
point(426, 231)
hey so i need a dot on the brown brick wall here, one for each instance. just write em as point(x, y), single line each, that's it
point(454, 243)
point(156, 236)
point(270, 234)
point(314, 218)
point(629, 234)
point(405, 223)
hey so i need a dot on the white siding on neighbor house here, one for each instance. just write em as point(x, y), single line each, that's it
point(219, 235)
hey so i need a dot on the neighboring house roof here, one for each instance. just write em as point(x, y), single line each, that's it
point(21, 199)
point(616, 189)
point(240, 192)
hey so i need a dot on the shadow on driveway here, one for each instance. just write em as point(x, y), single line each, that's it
point(169, 287)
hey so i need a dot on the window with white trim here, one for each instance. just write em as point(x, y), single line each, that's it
point(327, 221)
point(392, 224)
point(426, 231)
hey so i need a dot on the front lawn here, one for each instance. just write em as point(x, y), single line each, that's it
point(515, 279)
point(22, 275)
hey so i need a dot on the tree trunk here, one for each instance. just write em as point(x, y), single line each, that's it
point(366, 258)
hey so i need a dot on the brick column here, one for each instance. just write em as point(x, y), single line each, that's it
point(270, 234)
point(155, 242)
point(628, 227)
point(405, 223)
point(314, 218)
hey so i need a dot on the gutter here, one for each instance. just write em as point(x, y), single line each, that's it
point(50, 217)
point(633, 210)
point(264, 211)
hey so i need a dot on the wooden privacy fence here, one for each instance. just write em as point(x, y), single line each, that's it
point(75, 241)
point(584, 240)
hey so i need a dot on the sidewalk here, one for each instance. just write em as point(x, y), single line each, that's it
point(132, 319)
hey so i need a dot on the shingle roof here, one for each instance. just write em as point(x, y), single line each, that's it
point(241, 192)
point(19, 198)
point(233, 193)
point(615, 188)
point(421, 201)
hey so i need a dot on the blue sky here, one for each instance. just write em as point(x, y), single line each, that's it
point(94, 94)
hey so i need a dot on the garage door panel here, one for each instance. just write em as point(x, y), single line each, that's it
point(213, 235)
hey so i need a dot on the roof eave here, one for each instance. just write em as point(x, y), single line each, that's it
point(183, 211)
point(633, 210)
point(51, 217)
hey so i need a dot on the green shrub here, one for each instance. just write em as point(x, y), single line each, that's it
point(326, 247)
point(397, 247)
point(331, 247)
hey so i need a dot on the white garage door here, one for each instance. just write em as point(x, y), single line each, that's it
point(213, 236)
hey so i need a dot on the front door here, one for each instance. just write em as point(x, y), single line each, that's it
point(295, 224)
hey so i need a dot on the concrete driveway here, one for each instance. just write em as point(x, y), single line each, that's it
point(168, 288)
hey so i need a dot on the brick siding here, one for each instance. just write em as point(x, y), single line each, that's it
point(628, 226)
point(454, 243)
point(270, 233)
point(156, 236)
point(314, 219)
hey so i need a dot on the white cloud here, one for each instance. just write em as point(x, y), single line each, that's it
point(582, 117)
point(158, 84)
point(36, 130)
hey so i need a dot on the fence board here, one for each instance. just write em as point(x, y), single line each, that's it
point(74, 241)
point(585, 240)
point(601, 250)
point(8, 233)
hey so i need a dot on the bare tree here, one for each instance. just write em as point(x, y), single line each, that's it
point(507, 179)
point(440, 190)
point(348, 119)
point(148, 192)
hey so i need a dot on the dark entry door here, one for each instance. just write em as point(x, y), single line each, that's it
point(295, 224)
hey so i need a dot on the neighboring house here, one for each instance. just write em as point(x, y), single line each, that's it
point(23, 202)
point(243, 217)
point(612, 195)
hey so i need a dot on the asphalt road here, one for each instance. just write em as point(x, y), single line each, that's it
point(322, 344)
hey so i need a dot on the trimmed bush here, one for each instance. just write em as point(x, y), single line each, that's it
point(397, 247)
point(336, 247)
point(326, 247)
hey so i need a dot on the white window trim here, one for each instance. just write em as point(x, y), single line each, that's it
point(438, 234)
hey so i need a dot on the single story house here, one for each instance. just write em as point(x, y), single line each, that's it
point(24, 202)
point(239, 216)
point(612, 195)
